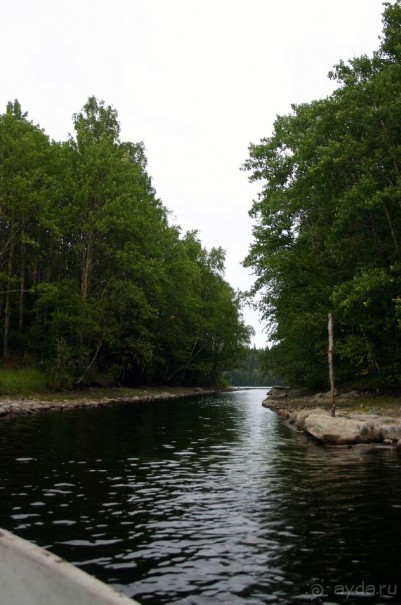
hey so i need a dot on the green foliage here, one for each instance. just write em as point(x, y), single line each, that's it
point(253, 370)
point(22, 381)
point(93, 279)
point(328, 223)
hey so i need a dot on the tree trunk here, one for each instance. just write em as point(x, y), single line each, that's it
point(22, 284)
point(78, 383)
point(331, 364)
point(7, 308)
point(192, 357)
point(48, 270)
point(391, 227)
point(87, 258)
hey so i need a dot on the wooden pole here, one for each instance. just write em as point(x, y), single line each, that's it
point(331, 364)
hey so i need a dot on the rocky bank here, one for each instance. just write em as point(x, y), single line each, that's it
point(20, 406)
point(312, 415)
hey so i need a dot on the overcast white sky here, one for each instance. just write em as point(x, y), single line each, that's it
point(196, 80)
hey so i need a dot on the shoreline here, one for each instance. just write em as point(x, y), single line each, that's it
point(92, 398)
point(378, 425)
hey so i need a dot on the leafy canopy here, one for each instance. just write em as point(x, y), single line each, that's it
point(327, 231)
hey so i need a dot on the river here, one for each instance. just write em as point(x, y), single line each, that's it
point(205, 500)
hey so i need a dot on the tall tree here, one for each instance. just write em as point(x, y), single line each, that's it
point(328, 222)
point(93, 278)
point(24, 191)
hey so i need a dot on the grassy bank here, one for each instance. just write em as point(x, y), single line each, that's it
point(22, 382)
point(31, 383)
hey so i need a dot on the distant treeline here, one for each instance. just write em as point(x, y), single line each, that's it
point(328, 224)
point(252, 371)
point(94, 281)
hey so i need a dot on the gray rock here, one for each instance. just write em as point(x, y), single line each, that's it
point(390, 428)
point(278, 392)
point(365, 417)
point(340, 430)
point(300, 416)
point(324, 396)
point(320, 397)
point(351, 394)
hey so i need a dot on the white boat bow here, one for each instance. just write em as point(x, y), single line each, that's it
point(30, 575)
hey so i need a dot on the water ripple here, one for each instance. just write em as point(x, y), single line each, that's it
point(212, 500)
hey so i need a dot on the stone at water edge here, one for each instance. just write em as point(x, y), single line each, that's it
point(278, 393)
point(390, 429)
point(340, 431)
point(299, 417)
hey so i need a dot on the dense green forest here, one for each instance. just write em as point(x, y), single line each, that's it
point(252, 370)
point(327, 234)
point(95, 284)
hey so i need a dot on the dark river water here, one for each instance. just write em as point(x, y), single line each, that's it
point(205, 500)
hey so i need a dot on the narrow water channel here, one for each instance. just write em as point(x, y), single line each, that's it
point(206, 500)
